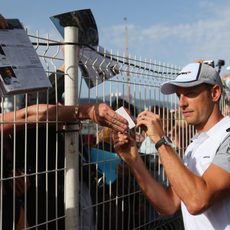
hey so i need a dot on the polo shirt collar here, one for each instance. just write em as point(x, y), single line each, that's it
point(213, 131)
point(222, 123)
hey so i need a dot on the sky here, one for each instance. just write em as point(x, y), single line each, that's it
point(172, 32)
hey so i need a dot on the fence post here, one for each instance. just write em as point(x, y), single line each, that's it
point(71, 58)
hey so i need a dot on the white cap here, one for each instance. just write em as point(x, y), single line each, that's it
point(191, 75)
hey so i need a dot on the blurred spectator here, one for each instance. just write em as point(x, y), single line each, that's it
point(40, 112)
point(180, 132)
point(226, 84)
point(99, 113)
point(10, 187)
point(3, 22)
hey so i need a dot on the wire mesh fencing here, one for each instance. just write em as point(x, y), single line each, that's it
point(33, 168)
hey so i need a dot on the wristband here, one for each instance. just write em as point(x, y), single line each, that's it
point(163, 141)
point(76, 112)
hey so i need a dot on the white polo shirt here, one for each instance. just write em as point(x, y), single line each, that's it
point(207, 148)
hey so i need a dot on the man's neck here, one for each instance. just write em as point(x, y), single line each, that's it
point(210, 123)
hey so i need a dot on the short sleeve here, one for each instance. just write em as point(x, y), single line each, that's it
point(222, 157)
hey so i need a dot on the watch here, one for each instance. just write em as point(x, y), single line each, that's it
point(163, 141)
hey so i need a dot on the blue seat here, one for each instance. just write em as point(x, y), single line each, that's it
point(107, 163)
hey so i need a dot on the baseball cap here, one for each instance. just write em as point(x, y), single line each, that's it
point(191, 75)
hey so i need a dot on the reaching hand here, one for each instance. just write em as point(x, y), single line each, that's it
point(125, 147)
point(105, 116)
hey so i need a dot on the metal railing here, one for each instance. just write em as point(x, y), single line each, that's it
point(100, 192)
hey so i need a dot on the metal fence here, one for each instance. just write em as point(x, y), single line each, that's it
point(34, 163)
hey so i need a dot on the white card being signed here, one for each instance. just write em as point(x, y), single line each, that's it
point(121, 111)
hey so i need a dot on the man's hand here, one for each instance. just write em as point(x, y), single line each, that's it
point(105, 116)
point(152, 125)
point(125, 147)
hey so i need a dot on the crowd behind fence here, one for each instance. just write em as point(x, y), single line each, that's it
point(33, 164)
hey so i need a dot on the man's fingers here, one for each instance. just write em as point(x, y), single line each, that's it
point(118, 127)
point(117, 122)
point(119, 139)
point(118, 144)
point(104, 115)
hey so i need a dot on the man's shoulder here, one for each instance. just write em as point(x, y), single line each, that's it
point(222, 157)
point(224, 145)
point(219, 130)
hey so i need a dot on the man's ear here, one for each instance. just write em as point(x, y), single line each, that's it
point(216, 93)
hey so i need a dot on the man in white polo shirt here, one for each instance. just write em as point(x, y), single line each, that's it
point(201, 184)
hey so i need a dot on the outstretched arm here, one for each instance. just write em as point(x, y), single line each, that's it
point(99, 113)
point(164, 200)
